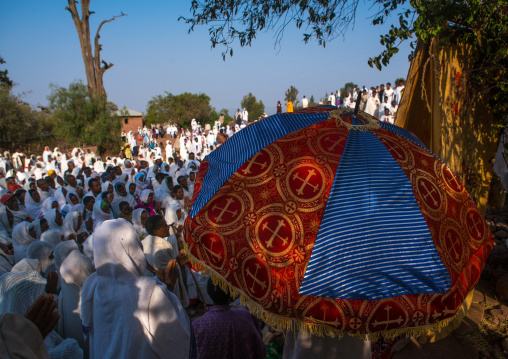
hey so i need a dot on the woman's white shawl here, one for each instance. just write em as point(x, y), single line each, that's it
point(157, 325)
point(73, 273)
point(21, 239)
point(33, 208)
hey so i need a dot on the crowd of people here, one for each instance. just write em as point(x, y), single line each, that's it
point(381, 102)
point(91, 258)
point(91, 255)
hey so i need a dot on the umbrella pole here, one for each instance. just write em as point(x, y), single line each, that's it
point(194, 278)
point(357, 106)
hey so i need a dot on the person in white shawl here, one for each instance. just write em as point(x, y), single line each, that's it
point(101, 212)
point(139, 217)
point(174, 218)
point(163, 192)
point(121, 195)
point(184, 153)
point(98, 166)
point(107, 187)
point(74, 270)
point(60, 195)
point(169, 149)
point(23, 235)
point(128, 170)
point(372, 106)
point(156, 325)
point(52, 236)
point(71, 199)
point(27, 264)
point(43, 252)
point(63, 250)
point(54, 218)
point(33, 203)
point(71, 227)
point(18, 291)
point(50, 203)
point(41, 226)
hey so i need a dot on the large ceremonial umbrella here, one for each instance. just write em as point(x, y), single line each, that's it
point(327, 222)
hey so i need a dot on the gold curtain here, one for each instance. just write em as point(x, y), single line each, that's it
point(451, 118)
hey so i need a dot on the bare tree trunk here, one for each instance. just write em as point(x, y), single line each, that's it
point(94, 67)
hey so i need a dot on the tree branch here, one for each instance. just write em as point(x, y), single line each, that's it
point(97, 56)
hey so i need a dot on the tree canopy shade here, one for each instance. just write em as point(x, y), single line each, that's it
point(254, 107)
point(83, 118)
point(178, 109)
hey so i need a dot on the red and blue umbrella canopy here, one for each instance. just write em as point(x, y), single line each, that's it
point(327, 222)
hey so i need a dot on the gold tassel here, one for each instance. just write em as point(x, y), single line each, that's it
point(296, 325)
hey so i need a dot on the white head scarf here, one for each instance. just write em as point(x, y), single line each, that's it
point(27, 264)
point(52, 236)
point(48, 203)
point(33, 208)
point(105, 186)
point(144, 195)
point(62, 251)
point(99, 215)
point(88, 247)
point(37, 226)
point(73, 273)
point(51, 217)
point(19, 290)
point(71, 224)
point(157, 322)
point(68, 197)
point(115, 204)
point(21, 239)
point(171, 216)
point(59, 196)
point(42, 251)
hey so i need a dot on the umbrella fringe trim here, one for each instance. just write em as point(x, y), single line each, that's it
point(297, 325)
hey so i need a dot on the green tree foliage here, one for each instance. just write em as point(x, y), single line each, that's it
point(242, 20)
point(290, 95)
point(254, 107)
point(20, 126)
point(4, 78)
point(214, 116)
point(178, 109)
point(348, 87)
point(82, 119)
point(399, 79)
point(227, 117)
point(312, 102)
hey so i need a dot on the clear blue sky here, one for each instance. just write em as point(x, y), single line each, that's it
point(153, 52)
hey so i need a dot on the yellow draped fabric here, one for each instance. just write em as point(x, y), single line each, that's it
point(452, 119)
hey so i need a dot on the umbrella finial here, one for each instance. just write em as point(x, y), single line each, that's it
point(357, 107)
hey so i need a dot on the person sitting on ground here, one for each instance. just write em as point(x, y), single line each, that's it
point(125, 211)
point(11, 202)
point(126, 314)
point(240, 334)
